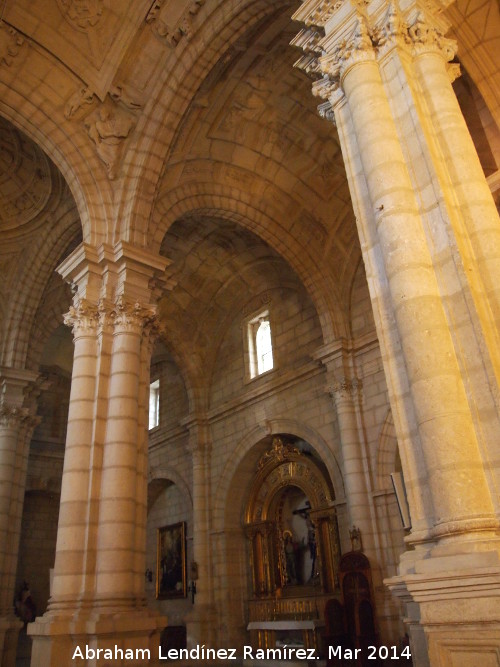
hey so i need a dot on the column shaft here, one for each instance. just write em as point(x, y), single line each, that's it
point(73, 539)
point(120, 482)
point(456, 477)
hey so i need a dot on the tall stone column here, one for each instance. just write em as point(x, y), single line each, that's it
point(98, 587)
point(200, 622)
point(404, 194)
point(16, 428)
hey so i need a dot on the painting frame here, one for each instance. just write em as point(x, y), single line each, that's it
point(171, 561)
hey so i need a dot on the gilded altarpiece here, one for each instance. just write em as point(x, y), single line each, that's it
point(294, 551)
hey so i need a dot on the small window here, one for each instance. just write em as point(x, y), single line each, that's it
point(154, 404)
point(260, 345)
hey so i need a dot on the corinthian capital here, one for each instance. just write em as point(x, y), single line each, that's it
point(13, 416)
point(427, 38)
point(132, 316)
point(358, 47)
point(343, 388)
point(83, 317)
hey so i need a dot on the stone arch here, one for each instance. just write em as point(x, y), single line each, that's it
point(221, 201)
point(30, 104)
point(260, 434)
point(198, 57)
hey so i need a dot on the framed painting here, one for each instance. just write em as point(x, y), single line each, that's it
point(171, 562)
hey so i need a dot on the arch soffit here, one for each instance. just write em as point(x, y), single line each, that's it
point(217, 34)
point(224, 500)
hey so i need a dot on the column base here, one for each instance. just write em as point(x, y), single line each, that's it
point(9, 632)
point(200, 626)
point(452, 606)
point(129, 638)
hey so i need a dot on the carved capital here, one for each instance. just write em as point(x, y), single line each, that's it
point(83, 318)
point(344, 388)
point(13, 416)
point(426, 38)
point(393, 32)
point(132, 317)
point(355, 49)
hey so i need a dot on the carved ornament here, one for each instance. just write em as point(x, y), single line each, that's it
point(82, 15)
point(132, 316)
point(11, 416)
point(356, 48)
point(25, 178)
point(279, 452)
point(108, 127)
point(11, 43)
point(426, 37)
point(83, 318)
point(345, 388)
point(393, 31)
point(183, 27)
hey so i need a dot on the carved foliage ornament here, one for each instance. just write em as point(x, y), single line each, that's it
point(279, 452)
point(87, 318)
point(364, 43)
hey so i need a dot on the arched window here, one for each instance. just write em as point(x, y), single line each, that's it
point(154, 404)
point(264, 347)
point(260, 345)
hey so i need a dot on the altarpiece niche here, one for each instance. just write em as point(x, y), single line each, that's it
point(291, 525)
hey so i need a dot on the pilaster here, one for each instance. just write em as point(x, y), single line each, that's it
point(200, 621)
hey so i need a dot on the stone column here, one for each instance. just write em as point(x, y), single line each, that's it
point(404, 193)
point(121, 503)
point(16, 428)
point(200, 622)
point(344, 392)
point(98, 587)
